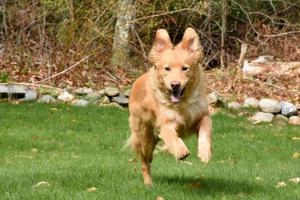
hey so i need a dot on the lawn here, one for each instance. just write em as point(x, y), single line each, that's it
point(74, 148)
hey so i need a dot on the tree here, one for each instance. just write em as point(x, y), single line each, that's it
point(121, 47)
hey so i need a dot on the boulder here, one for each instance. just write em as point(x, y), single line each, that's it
point(269, 106)
point(47, 99)
point(288, 109)
point(83, 91)
point(294, 120)
point(112, 91)
point(234, 105)
point(121, 99)
point(216, 99)
point(280, 120)
point(80, 102)
point(251, 102)
point(65, 96)
point(262, 117)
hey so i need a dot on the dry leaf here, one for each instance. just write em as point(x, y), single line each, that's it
point(186, 162)
point(92, 189)
point(295, 180)
point(280, 184)
point(34, 150)
point(42, 184)
point(259, 178)
point(160, 198)
point(295, 138)
point(296, 155)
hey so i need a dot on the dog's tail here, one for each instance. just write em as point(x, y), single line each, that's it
point(130, 143)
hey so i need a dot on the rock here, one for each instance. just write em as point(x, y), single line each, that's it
point(294, 120)
point(121, 99)
point(216, 99)
point(288, 109)
point(262, 117)
point(94, 96)
point(269, 106)
point(280, 120)
point(101, 92)
point(104, 100)
point(112, 104)
point(47, 99)
point(65, 97)
point(83, 91)
point(127, 92)
point(42, 184)
point(80, 102)
point(251, 102)
point(112, 91)
point(30, 95)
point(234, 105)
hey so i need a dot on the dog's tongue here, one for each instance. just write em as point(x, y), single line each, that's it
point(175, 96)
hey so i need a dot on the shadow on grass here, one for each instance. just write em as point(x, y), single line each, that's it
point(211, 186)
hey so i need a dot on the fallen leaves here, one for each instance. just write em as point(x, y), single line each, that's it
point(296, 155)
point(280, 184)
point(92, 189)
point(295, 180)
point(42, 184)
point(296, 138)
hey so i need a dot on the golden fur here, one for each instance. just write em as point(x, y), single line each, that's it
point(159, 112)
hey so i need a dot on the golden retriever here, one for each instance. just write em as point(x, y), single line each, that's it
point(169, 101)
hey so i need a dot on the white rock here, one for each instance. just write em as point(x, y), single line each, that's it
point(94, 96)
point(65, 97)
point(294, 120)
point(111, 91)
point(234, 105)
point(80, 102)
point(47, 99)
point(251, 102)
point(262, 117)
point(269, 106)
point(288, 109)
point(83, 91)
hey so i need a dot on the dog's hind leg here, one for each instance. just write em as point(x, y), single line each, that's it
point(143, 142)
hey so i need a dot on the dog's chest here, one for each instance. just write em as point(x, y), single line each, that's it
point(184, 117)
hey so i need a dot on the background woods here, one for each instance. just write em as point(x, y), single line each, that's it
point(40, 38)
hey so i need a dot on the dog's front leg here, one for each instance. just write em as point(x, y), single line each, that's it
point(173, 144)
point(204, 139)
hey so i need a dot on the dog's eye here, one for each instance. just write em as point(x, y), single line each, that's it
point(185, 68)
point(167, 68)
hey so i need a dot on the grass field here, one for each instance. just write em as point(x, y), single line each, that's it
point(74, 149)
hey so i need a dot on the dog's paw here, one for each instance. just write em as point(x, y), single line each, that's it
point(180, 151)
point(204, 151)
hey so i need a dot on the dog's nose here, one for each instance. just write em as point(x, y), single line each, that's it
point(175, 85)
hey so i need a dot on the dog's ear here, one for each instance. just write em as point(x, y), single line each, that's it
point(161, 43)
point(191, 43)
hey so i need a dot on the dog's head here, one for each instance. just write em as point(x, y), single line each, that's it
point(177, 65)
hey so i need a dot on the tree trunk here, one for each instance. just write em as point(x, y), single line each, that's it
point(121, 47)
point(3, 26)
point(225, 11)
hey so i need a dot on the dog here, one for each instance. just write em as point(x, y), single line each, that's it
point(169, 101)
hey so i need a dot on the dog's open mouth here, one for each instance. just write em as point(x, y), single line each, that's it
point(176, 95)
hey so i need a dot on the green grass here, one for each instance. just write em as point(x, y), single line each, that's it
point(77, 148)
